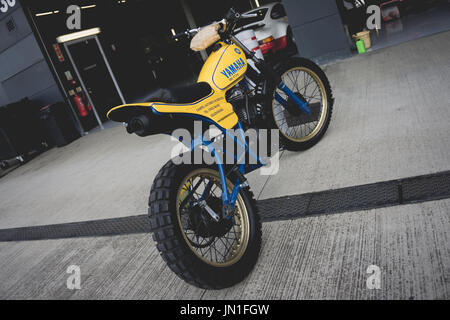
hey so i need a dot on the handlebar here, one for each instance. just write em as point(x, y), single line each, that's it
point(249, 15)
point(231, 18)
point(187, 33)
point(234, 16)
point(179, 35)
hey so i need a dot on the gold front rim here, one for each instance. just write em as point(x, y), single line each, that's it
point(217, 251)
point(302, 132)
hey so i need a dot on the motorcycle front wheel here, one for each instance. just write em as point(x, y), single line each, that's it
point(298, 130)
point(205, 252)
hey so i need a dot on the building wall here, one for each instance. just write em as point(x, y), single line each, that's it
point(317, 28)
point(23, 69)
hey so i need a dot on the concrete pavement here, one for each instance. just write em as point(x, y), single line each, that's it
point(391, 120)
point(322, 257)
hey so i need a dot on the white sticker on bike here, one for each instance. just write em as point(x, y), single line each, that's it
point(252, 147)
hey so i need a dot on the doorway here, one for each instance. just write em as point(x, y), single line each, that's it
point(94, 73)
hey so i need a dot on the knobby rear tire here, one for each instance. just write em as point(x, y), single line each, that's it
point(168, 234)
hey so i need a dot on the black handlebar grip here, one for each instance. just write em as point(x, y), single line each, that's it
point(180, 35)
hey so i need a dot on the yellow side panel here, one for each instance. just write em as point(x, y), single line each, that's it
point(214, 107)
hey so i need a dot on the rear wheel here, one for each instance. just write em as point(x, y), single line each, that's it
point(300, 131)
point(205, 252)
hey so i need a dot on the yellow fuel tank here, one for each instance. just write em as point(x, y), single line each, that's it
point(224, 67)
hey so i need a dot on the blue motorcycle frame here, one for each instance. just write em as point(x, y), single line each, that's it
point(229, 199)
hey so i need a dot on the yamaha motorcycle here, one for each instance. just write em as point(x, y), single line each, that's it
point(204, 217)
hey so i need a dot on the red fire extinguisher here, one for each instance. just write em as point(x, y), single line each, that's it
point(80, 105)
point(86, 100)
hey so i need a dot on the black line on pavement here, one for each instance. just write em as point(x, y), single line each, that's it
point(364, 197)
point(94, 228)
point(400, 194)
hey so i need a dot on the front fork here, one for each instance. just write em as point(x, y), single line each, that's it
point(302, 104)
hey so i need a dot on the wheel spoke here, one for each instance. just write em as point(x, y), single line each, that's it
point(299, 126)
point(215, 242)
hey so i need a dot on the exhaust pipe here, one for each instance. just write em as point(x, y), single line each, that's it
point(140, 125)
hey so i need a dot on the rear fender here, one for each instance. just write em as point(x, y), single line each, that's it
point(125, 112)
point(156, 122)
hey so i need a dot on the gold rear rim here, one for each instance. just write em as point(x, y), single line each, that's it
point(294, 127)
point(214, 249)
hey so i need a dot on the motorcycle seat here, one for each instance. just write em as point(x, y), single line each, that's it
point(177, 96)
point(183, 94)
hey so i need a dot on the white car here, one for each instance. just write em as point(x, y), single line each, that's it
point(271, 27)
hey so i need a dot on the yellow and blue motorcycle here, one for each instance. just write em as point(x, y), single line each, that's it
point(203, 216)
